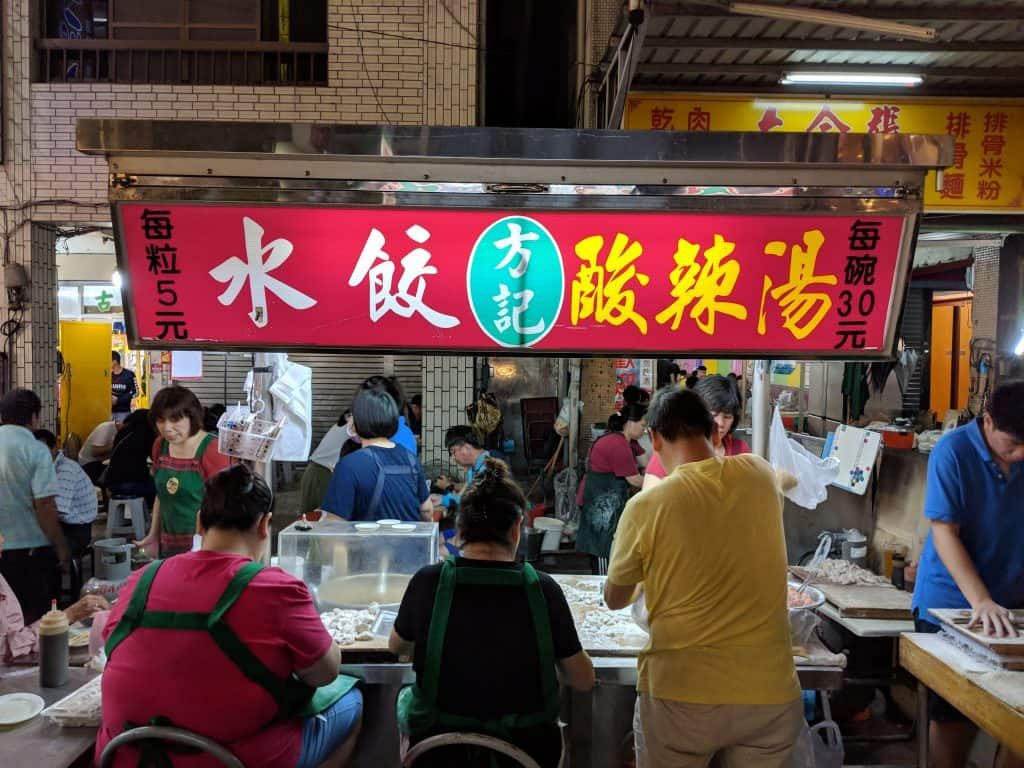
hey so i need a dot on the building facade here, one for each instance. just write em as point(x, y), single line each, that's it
point(406, 62)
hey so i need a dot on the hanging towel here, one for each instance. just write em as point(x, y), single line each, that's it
point(292, 391)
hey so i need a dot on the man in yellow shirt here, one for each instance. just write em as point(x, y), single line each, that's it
point(717, 675)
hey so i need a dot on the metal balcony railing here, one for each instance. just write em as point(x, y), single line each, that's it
point(180, 62)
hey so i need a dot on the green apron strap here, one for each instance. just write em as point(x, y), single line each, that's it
point(173, 620)
point(203, 445)
point(234, 590)
point(438, 627)
point(248, 663)
point(542, 633)
point(132, 617)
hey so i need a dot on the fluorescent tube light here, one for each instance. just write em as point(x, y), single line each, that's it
point(833, 19)
point(1019, 349)
point(851, 78)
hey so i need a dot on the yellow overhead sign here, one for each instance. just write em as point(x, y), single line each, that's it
point(988, 172)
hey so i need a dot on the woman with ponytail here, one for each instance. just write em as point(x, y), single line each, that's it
point(489, 638)
point(612, 476)
point(213, 642)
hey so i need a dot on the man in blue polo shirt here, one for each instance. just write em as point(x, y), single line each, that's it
point(974, 555)
point(465, 447)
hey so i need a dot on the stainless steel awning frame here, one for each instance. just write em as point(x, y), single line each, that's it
point(293, 152)
point(525, 169)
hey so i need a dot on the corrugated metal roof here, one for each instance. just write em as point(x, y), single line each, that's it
point(694, 45)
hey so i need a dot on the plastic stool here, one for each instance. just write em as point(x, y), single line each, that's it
point(120, 509)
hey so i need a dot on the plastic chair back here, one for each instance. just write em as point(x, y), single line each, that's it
point(174, 736)
point(467, 739)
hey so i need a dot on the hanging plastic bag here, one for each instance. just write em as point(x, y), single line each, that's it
point(828, 745)
point(813, 474)
point(639, 612)
point(818, 746)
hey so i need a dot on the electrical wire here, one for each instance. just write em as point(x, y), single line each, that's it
point(588, 83)
point(369, 78)
point(411, 38)
point(457, 20)
point(9, 329)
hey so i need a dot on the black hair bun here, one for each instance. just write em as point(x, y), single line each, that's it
point(495, 470)
point(238, 480)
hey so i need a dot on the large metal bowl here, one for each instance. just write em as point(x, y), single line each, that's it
point(816, 595)
point(360, 590)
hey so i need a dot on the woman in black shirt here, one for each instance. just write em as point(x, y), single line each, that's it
point(488, 636)
point(128, 473)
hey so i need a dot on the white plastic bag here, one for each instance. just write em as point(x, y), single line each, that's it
point(828, 753)
point(639, 613)
point(811, 751)
point(813, 474)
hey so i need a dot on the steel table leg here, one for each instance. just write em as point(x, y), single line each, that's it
point(922, 725)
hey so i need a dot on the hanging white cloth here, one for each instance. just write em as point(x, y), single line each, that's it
point(292, 393)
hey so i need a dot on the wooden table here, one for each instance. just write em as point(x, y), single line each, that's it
point(42, 743)
point(979, 694)
point(867, 627)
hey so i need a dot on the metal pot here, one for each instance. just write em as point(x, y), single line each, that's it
point(530, 540)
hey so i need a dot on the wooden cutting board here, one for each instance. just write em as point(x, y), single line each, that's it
point(855, 601)
point(1003, 646)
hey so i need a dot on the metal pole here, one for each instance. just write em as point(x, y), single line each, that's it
point(561, 392)
point(760, 407)
point(922, 725)
point(574, 412)
point(581, 50)
point(260, 388)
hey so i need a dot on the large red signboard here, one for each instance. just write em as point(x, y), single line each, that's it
point(550, 282)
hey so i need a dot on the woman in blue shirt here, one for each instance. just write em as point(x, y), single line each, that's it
point(402, 435)
point(382, 480)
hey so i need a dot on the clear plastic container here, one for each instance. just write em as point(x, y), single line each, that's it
point(350, 565)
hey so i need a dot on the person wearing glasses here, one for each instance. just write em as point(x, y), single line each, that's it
point(465, 447)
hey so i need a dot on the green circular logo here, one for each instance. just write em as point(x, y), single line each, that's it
point(515, 281)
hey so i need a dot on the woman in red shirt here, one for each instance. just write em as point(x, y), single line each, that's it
point(213, 642)
point(720, 396)
point(612, 476)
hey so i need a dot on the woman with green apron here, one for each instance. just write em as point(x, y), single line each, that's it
point(245, 660)
point(612, 476)
point(184, 458)
point(488, 638)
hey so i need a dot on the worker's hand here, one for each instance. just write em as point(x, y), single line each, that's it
point(113, 399)
point(86, 607)
point(148, 544)
point(787, 480)
point(993, 619)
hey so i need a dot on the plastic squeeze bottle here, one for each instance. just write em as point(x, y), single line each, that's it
point(53, 648)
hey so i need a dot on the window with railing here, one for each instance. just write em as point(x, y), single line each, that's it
point(215, 42)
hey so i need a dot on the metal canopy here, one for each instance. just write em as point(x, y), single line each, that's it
point(306, 153)
point(688, 45)
point(337, 168)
